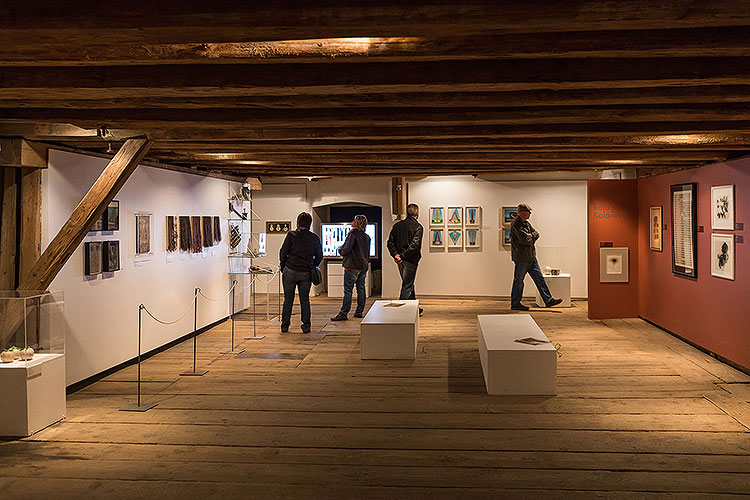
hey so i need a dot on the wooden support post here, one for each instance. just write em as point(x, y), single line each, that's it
point(9, 229)
point(398, 186)
point(29, 244)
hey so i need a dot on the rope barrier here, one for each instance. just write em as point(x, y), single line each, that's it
point(190, 306)
point(222, 298)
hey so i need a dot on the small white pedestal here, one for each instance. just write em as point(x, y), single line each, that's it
point(335, 280)
point(33, 394)
point(390, 332)
point(512, 368)
point(559, 287)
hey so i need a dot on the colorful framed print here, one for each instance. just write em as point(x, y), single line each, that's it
point(455, 216)
point(722, 256)
point(111, 256)
point(684, 229)
point(613, 265)
point(655, 225)
point(473, 239)
point(722, 207)
point(506, 236)
point(111, 217)
point(92, 258)
point(473, 216)
point(437, 238)
point(437, 217)
point(143, 233)
point(455, 238)
point(507, 214)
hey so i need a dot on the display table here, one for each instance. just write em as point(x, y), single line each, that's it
point(390, 332)
point(335, 280)
point(32, 394)
point(513, 368)
point(559, 287)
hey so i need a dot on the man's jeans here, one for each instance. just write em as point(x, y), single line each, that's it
point(291, 280)
point(408, 273)
point(351, 278)
point(536, 274)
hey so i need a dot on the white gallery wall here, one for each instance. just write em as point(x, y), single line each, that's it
point(102, 311)
point(559, 214)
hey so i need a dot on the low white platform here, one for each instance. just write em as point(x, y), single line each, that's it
point(559, 287)
point(32, 394)
point(512, 368)
point(390, 332)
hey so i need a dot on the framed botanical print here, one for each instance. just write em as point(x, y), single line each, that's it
point(455, 238)
point(473, 239)
point(437, 238)
point(437, 217)
point(722, 207)
point(455, 216)
point(722, 256)
point(684, 229)
point(655, 226)
point(473, 216)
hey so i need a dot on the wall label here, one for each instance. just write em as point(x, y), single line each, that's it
point(739, 226)
point(739, 238)
point(700, 229)
point(606, 244)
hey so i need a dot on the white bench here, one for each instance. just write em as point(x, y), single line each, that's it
point(390, 332)
point(513, 368)
point(559, 287)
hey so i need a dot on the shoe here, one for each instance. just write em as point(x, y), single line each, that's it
point(519, 307)
point(554, 302)
point(339, 317)
point(305, 331)
point(421, 311)
point(284, 329)
point(359, 315)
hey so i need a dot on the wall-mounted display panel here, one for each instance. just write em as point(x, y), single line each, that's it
point(437, 216)
point(722, 207)
point(613, 265)
point(473, 216)
point(507, 214)
point(655, 228)
point(437, 238)
point(722, 256)
point(332, 236)
point(684, 229)
point(455, 238)
point(455, 216)
point(473, 239)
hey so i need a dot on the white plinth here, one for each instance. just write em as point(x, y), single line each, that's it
point(512, 368)
point(32, 394)
point(559, 287)
point(390, 332)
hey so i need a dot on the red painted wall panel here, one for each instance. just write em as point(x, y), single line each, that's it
point(711, 312)
point(613, 217)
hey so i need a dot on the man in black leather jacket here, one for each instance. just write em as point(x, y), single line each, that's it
point(405, 246)
point(356, 253)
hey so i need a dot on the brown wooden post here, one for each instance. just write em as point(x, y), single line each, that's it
point(8, 229)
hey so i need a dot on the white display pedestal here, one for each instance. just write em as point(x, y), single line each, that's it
point(390, 332)
point(513, 368)
point(32, 394)
point(335, 281)
point(559, 287)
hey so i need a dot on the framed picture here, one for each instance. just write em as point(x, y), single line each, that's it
point(613, 265)
point(437, 217)
point(505, 234)
point(473, 238)
point(207, 226)
point(473, 216)
point(722, 256)
point(278, 226)
point(111, 217)
point(98, 224)
point(455, 216)
point(143, 233)
point(111, 256)
point(186, 234)
point(507, 214)
point(684, 229)
point(195, 229)
point(655, 225)
point(455, 238)
point(92, 258)
point(722, 207)
point(437, 238)
point(171, 233)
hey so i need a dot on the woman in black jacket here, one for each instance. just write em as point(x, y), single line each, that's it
point(300, 252)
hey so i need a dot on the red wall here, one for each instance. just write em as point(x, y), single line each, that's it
point(613, 217)
point(711, 312)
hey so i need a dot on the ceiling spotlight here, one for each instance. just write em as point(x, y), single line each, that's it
point(109, 147)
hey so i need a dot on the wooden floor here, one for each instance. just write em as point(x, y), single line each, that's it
point(639, 414)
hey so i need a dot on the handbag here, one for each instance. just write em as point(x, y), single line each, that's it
point(316, 276)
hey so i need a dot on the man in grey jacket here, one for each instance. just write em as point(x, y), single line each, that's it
point(356, 254)
point(522, 239)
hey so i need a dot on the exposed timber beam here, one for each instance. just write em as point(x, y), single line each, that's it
point(17, 152)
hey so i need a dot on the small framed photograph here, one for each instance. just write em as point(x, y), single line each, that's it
point(455, 238)
point(505, 235)
point(655, 224)
point(92, 258)
point(507, 214)
point(455, 216)
point(437, 216)
point(473, 216)
point(111, 256)
point(437, 238)
point(111, 216)
point(613, 265)
point(722, 256)
point(722, 207)
point(473, 239)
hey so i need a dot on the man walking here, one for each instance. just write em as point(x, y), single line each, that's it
point(356, 253)
point(522, 239)
point(405, 246)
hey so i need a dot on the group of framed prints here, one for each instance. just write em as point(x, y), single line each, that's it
point(683, 198)
point(101, 257)
point(191, 234)
point(456, 227)
point(110, 219)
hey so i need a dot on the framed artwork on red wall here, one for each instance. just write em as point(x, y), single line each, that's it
point(684, 229)
point(655, 225)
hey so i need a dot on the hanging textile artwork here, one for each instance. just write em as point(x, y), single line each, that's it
point(186, 237)
point(208, 231)
point(195, 226)
point(217, 230)
point(171, 233)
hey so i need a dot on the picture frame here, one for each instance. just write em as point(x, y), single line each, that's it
point(455, 217)
point(437, 216)
point(98, 225)
point(455, 238)
point(684, 229)
point(111, 256)
point(144, 229)
point(473, 239)
point(111, 216)
point(655, 229)
point(722, 207)
point(507, 214)
point(614, 265)
point(722, 255)
point(473, 216)
point(437, 237)
point(92, 258)
point(505, 235)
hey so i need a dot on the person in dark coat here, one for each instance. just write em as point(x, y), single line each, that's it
point(523, 252)
point(356, 254)
point(405, 246)
point(299, 253)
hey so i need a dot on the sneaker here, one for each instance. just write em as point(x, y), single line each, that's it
point(359, 315)
point(339, 317)
point(421, 311)
point(284, 329)
point(519, 307)
point(554, 302)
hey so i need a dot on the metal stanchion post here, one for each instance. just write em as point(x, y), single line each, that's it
point(231, 350)
point(195, 372)
point(137, 406)
point(254, 337)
